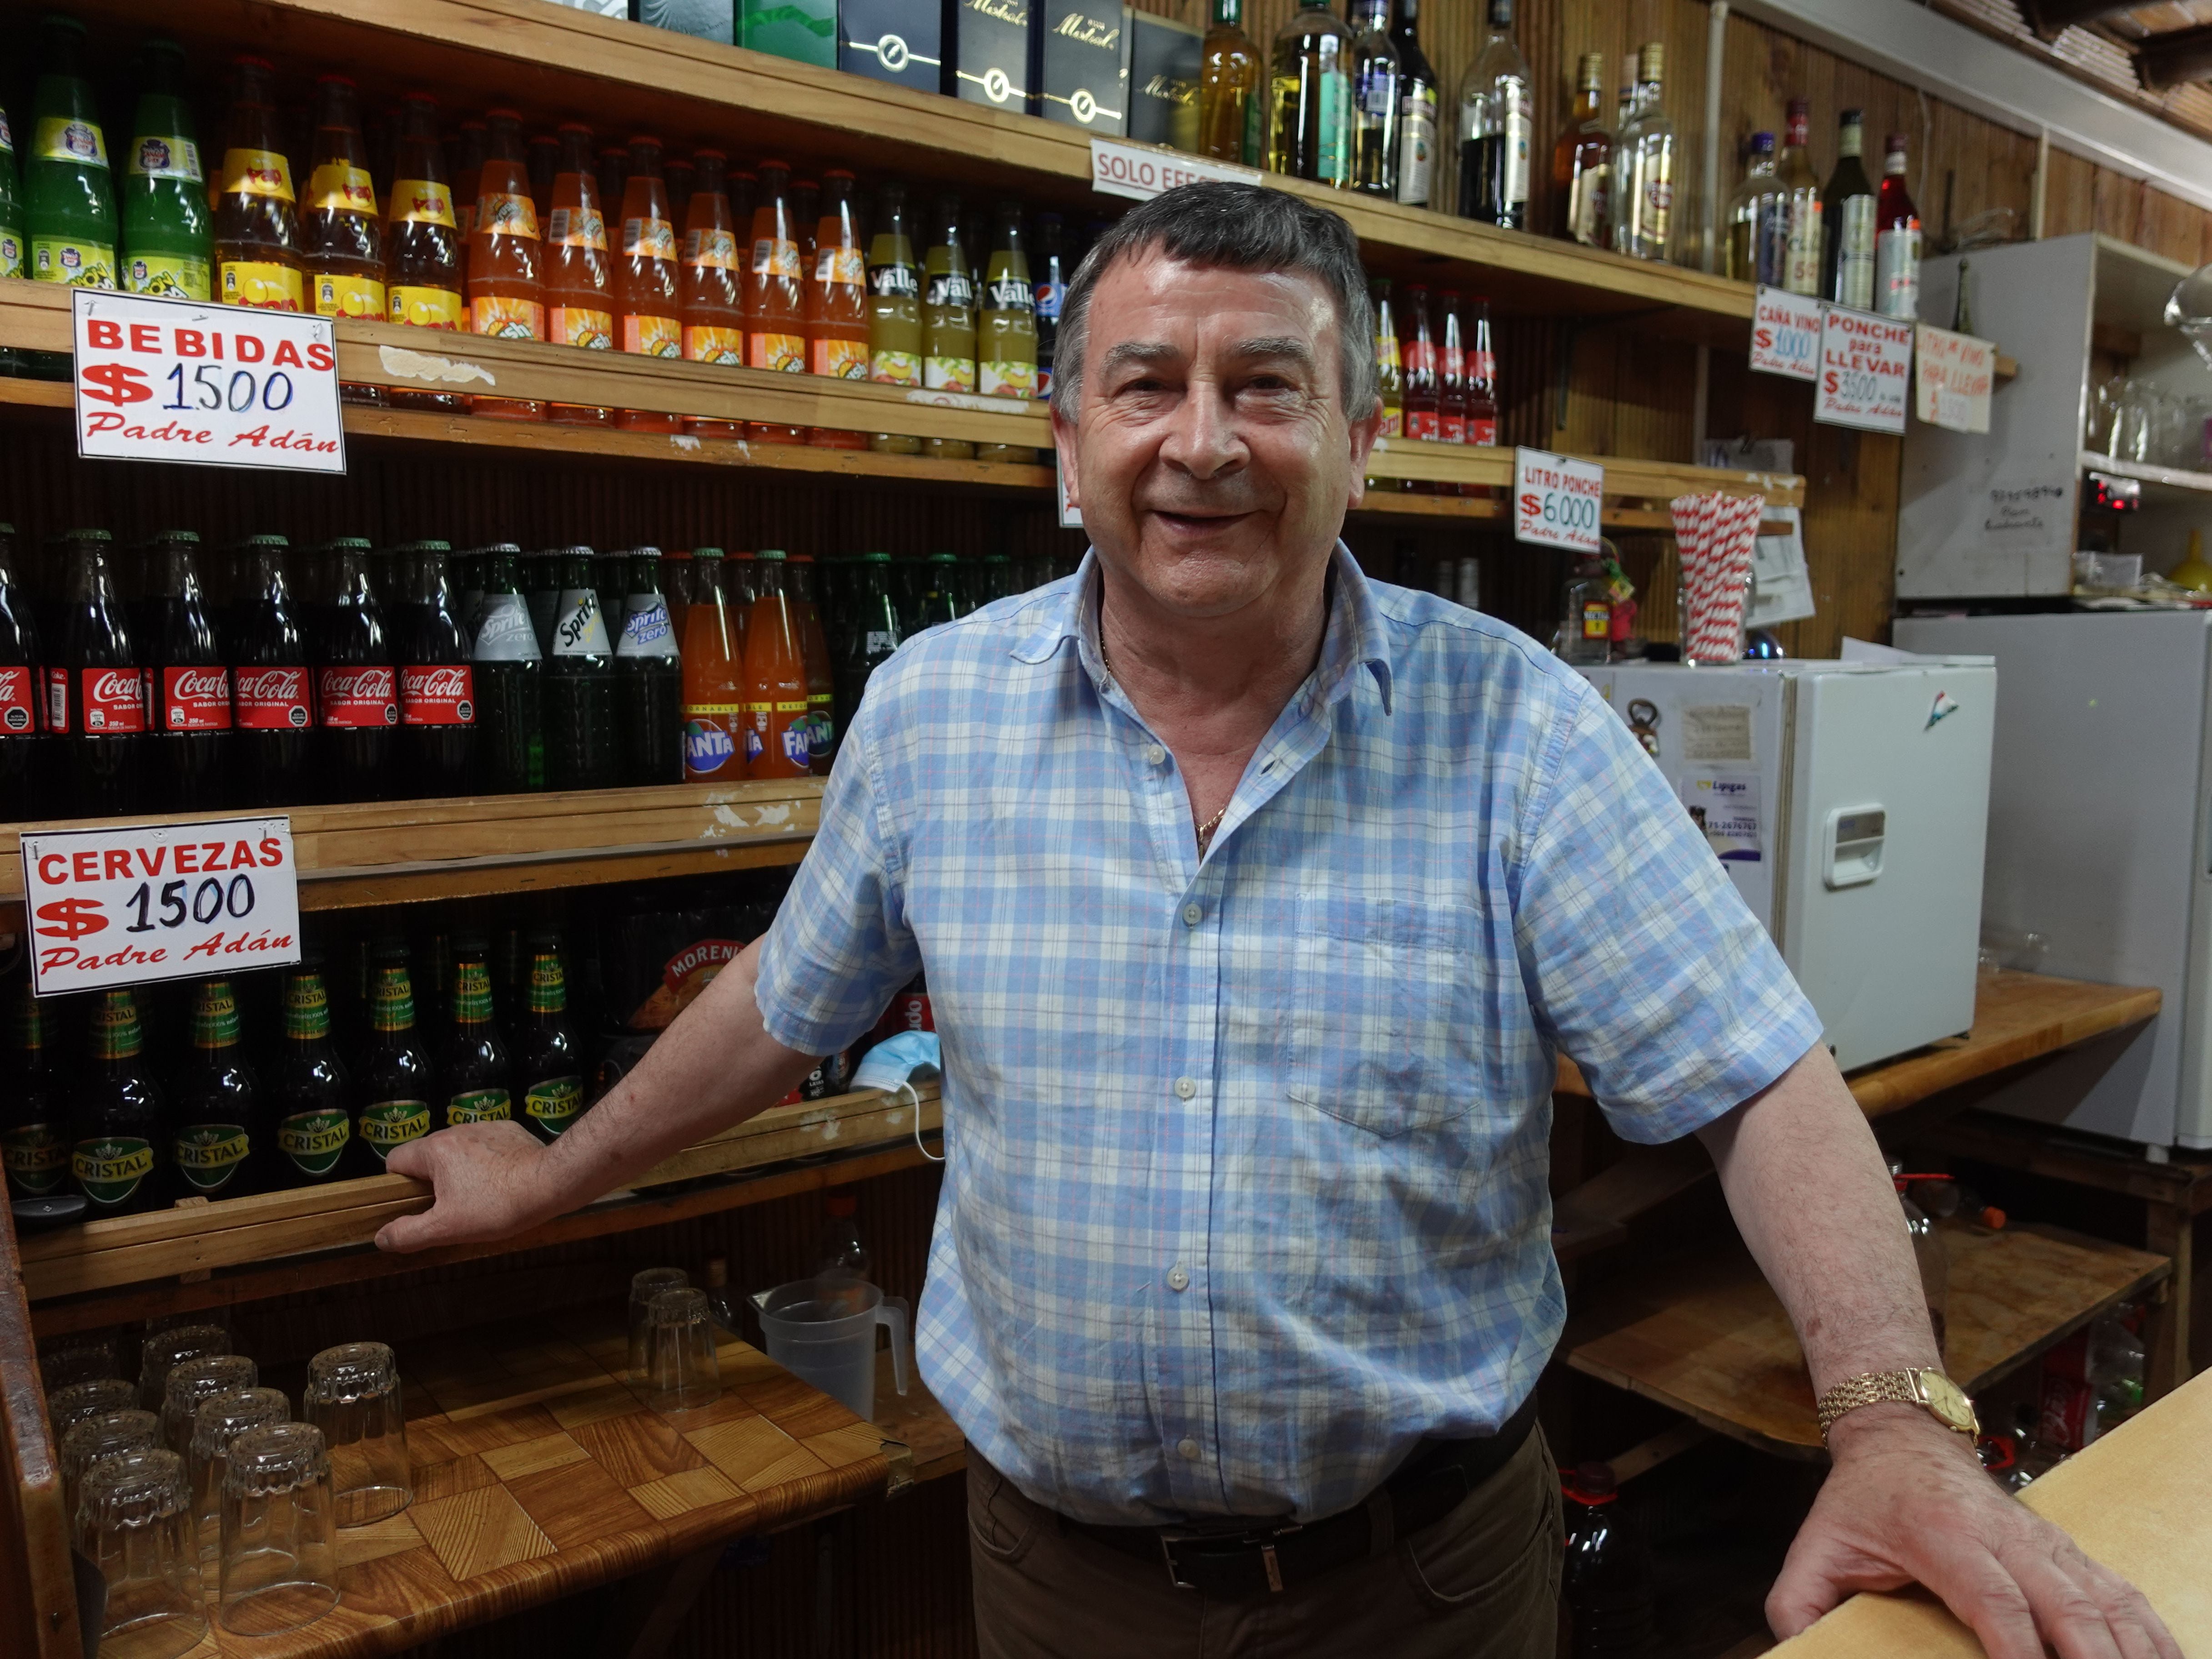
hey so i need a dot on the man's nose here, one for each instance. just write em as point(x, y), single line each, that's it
point(1202, 439)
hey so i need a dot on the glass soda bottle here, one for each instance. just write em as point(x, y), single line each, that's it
point(1390, 369)
point(948, 321)
point(23, 747)
point(437, 682)
point(776, 296)
point(510, 682)
point(776, 723)
point(190, 684)
point(96, 692)
point(581, 732)
point(341, 230)
point(477, 1082)
point(837, 300)
point(68, 199)
point(713, 676)
point(167, 232)
point(866, 642)
point(507, 261)
point(397, 1083)
point(894, 331)
point(272, 719)
point(647, 312)
point(1052, 271)
point(1006, 340)
point(423, 240)
point(356, 685)
point(13, 255)
point(1419, 367)
point(1482, 397)
point(712, 289)
point(215, 1135)
point(579, 297)
point(544, 150)
point(470, 148)
point(257, 226)
point(814, 652)
point(115, 1125)
point(1451, 371)
point(34, 1132)
point(548, 1059)
point(649, 677)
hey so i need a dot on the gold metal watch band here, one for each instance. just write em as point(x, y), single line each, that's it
point(1871, 1388)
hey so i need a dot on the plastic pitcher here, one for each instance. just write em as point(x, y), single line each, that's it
point(823, 1331)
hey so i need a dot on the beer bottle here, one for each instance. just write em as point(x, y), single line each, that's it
point(273, 726)
point(948, 321)
point(437, 687)
point(510, 675)
point(775, 296)
point(310, 1103)
point(713, 676)
point(894, 310)
point(118, 1115)
point(396, 1086)
point(814, 654)
point(871, 635)
point(13, 256)
point(649, 676)
point(35, 1144)
point(712, 299)
point(580, 729)
point(1006, 343)
point(506, 259)
point(190, 685)
point(357, 687)
point(256, 227)
point(776, 723)
point(166, 234)
point(578, 306)
point(423, 240)
point(837, 300)
point(22, 691)
point(215, 1126)
point(475, 1073)
point(68, 199)
point(548, 1062)
point(646, 309)
point(96, 694)
point(341, 229)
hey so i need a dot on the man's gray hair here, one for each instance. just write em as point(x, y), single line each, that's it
point(1241, 227)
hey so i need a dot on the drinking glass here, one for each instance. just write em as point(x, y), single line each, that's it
point(106, 1434)
point(280, 1548)
point(2104, 411)
point(2135, 430)
point(682, 1370)
point(353, 1397)
point(82, 1400)
point(192, 1380)
point(83, 1356)
point(644, 1287)
point(163, 1349)
point(220, 1419)
point(134, 1527)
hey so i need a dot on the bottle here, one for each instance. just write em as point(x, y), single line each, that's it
point(356, 685)
point(713, 677)
point(1417, 104)
point(474, 1071)
point(1581, 161)
point(776, 725)
point(578, 300)
point(23, 747)
point(1800, 187)
point(167, 247)
point(34, 1133)
point(776, 296)
point(544, 154)
point(469, 147)
point(548, 1061)
point(614, 176)
point(1309, 97)
point(341, 230)
point(68, 203)
point(837, 300)
point(115, 1123)
point(948, 321)
point(1847, 221)
point(649, 677)
point(1389, 371)
point(510, 682)
point(1052, 271)
point(610, 578)
point(1419, 368)
point(1644, 164)
point(942, 599)
point(215, 1132)
point(648, 313)
point(1482, 397)
point(814, 654)
point(2115, 1368)
point(1496, 123)
point(895, 326)
point(1231, 107)
point(842, 1261)
point(710, 293)
point(397, 1083)
point(1451, 371)
point(190, 685)
point(805, 217)
point(871, 634)
point(1606, 1585)
point(437, 684)
point(257, 217)
point(676, 587)
point(14, 256)
point(96, 691)
point(1896, 239)
point(422, 244)
point(1585, 633)
point(721, 1306)
point(1006, 336)
point(507, 261)
point(581, 734)
point(272, 723)
point(678, 177)
point(1756, 226)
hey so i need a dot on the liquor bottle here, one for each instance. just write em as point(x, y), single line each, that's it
point(1847, 221)
point(867, 642)
point(257, 220)
point(895, 325)
point(1644, 168)
point(1418, 103)
point(709, 290)
point(1896, 239)
point(506, 260)
point(1496, 122)
point(1309, 97)
point(69, 201)
point(579, 294)
point(1006, 339)
point(837, 300)
point(24, 750)
point(13, 254)
point(34, 1133)
point(1230, 109)
point(776, 296)
point(397, 1083)
point(190, 684)
point(96, 688)
point(1389, 379)
point(115, 1121)
point(948, 321)
point(510, 682)
point(272, 721)
point(1051, 270)
point(1419, 366)
point(581, 732)
point(1482, 391)
point(1451, 370)
point(216, 1136)
point(713, 676)
point(341, 230)
point(1581, 161)
point(822, 728)
point(1377, 80)
point(167, 247)
point(1585, 631)
point(1800, 187)
point(477, 1080)
point(437, 684)
point(549, 1065)
point(422, 244)
point(776, 725)
point(649, 677)
point(356, 685)
point(1755, 228)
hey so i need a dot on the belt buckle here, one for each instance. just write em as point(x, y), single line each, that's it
point(1262, 1541)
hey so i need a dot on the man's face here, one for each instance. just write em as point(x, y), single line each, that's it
point(1213, 458)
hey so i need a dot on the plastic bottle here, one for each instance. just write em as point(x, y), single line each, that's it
point(96, 689)
point(506, 260)
point(549, 1065)
point(775, 296)
point(581, 734)
point(649, 677)
point(271, 712)
point(115, 1121)
point(814, 651)
point(648, 316)
point(510, 682)
point(341, 230)
point(257, 226)
point(1006, 339)
point(2116, 1371)
point(478, 1083)
point(713, 676)
point(1606, 1585)
point(190, 685)
point(578, 299)
point(167, 234)
point(397, 1081)
point(423, 240)
point(776, 710)
point(217, 1144)
point(68, 199)
point(895, 333)
point(357, 687)
point(948, 321)
point(712, 293)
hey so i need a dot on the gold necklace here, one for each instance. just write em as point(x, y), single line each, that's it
point(1204, 830)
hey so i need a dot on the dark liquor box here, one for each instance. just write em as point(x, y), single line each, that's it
point(1163, 67)
point(1084, 55)
point(805, 31)
point(990, 53)
point(901, 41)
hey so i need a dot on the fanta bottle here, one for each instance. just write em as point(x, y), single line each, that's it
point(578, 306)
point(713, 326)
point(423, 238)
point(256, 227)
point(837, 300)
point(505, 258)
point(776, 296)
point(777, 722)
point(647, 313)
point(713, 677)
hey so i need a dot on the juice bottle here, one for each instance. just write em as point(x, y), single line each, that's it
point(613, 175)
point(894, 310)
point(579, 307)
point(69, 200)
point(257, 220)
point(470, 148)
point(341, 229)
point(806, 199)
point(165, 232)
point(837, 300)
point(1006, 343)
point(11, 220)
point(647, 314)
point(506, 259)
point(948, 321)
point(544, 151)
point(776, 722)
point(423, 240)
point(713, 676)
point(775, 296)
point(814, 655)
point(713, 326)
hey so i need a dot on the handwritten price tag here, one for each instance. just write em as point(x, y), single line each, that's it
point(218, 385)
point(1785, 335)
point(1143, 171)
point(1951, 379)
point(114, 907)
point(1866, 370)
point(1556, 499)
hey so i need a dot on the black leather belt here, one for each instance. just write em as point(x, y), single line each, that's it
point(1268, 1557)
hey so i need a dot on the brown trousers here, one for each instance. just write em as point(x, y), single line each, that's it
point(1482, 1584)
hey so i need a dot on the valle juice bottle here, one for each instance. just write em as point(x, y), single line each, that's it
point(647, 314)
point(578, 300)
point(341, 226)
point(776, 296)
point(837, 300)
point(505, 258)
point(711, 295)
point(166, 246)
point(713, 676)
point(894, 310)
point(423, 240)
point(11, 221)
point(948, 320)
point(777, 724)
point(1006, 339)
point(257, 215)
point(68, 199)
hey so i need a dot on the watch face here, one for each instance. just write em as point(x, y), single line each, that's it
point(1952, 1407)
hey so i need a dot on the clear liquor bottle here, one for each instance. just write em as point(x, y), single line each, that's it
point(1232, 106)
point(1847, 220)
point(1582, 161)
point(1419, 101)
point(1496, 115)
point(1375, 77)
point(1309, 97)
point(1755, 229)
point(1801, 187)
point(1643, 223)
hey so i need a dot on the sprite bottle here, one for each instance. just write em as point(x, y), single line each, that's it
point(166, 224)
point(71, 200)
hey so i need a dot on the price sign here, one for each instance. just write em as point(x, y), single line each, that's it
point(1951, 379)
point(220, 386)
point(1143, 171)
point(1556, 499)
point(1785, 335)
point(1866, 370)
point(166, 901)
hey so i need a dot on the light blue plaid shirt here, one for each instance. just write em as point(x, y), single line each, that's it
point(1246, 1180)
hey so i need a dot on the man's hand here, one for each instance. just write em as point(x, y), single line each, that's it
point(487, 1181)
point(1908, 1501)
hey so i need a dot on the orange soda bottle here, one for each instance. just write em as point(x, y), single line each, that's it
point(777, 724)
point(713, 677)
point(837, 300)
point(738, 592)
point(505, 258)
point(814, 652)
point(579, 308)
point(646, 314)
point(776, 296)
point(469, 148)
point(423, 240)
point(257, 230)
point(341, 226)
point(713, 323)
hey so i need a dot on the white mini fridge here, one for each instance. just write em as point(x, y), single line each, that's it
point(1848, 802)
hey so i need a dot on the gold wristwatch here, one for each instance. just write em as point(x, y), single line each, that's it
point(1932, 1391)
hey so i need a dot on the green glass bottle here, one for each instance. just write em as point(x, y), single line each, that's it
point(70, 198)
point(214, 1124)
point(166, 228)
point(476, 1070)
point(11, 206)
point(868, 634)
point(548, 1064)
point(309, 1095)
point(34, 1143)
point(395, 1085)
point(119, 1115)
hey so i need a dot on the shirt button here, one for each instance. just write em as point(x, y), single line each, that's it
point(1178, 1279)
point(1188, 1448)
point(1193, 913)
point(1154, 754)
point(1185, 1087)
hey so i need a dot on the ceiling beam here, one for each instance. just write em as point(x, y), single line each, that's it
point(2171, 60)
point(2052, 18)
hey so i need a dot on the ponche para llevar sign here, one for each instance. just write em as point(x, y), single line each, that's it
point(1866, 370)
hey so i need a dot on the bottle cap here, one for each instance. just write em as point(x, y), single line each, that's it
point(769, 553)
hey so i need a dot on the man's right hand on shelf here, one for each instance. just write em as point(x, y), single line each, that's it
point(488, 1178)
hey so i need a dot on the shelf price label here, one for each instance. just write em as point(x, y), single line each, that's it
point(1866, 370)
point(131, 905)
point(1556, 499)
point(1951, 378)
point(1785, 334)
point(215, 386)
point(1141, 172)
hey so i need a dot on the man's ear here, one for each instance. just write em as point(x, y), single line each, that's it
point(1362, 433)
point(1063, 440)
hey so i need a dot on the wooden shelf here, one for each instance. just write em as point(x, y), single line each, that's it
point(2179, 479)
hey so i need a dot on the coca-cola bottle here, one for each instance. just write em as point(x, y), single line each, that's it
point(96, 693)
point(437, 688)
point(22, 746)
point(190, 684)
point(510, 681)
point(272, 714)
point(356, 690)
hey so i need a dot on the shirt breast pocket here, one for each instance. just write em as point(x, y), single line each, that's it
point(1382, 1026)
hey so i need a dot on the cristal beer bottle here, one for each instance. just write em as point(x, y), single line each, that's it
point(34, 1133)
point(437, 685)
point(713, 301)
point(777, 725)
point(578, 302)
point(310, 1102)
point(548, 1062)
point(713, 676)
point(581, 732)
point(257, 227)
point(507, 295)
point(397, 1083)
point(510, 676)
point(477, 1081)
point(215, 1135)
point(115, 1125)
point(647, 312)
point(649, 677)
point(96, 692)
point(423, 240)
point(272, 714)
point(776, 296)
point(190, 685)
point(837, 300)
point(357, 686)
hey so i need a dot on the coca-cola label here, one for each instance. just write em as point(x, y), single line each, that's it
point(195, 699)
point(18, 706)
point(58, 701)
point(272, 699)
point(358, 697)
point(114, 699)
point(438, 693)
point(506, 634)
